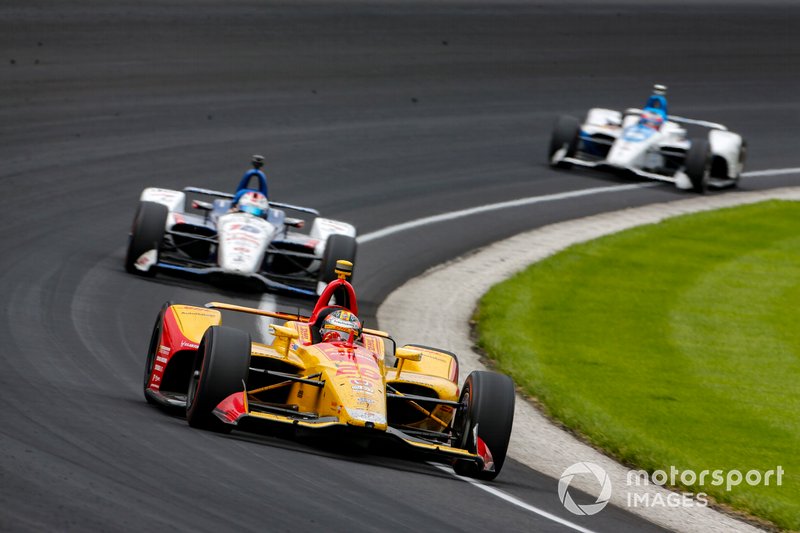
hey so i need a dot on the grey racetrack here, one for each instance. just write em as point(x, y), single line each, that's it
point(374, 112)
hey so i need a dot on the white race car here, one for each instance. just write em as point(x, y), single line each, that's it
point(221, 241)
point(630, 142)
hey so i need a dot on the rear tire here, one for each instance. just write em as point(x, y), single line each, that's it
point(147, 234)
point(488, 404)
point(337, 247)
point(220, 368)
point(698, 164)
point(566, 132)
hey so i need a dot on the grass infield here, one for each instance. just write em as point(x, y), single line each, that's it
point(672, 344)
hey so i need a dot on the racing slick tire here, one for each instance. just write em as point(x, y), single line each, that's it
point(152, 351)
point(742, 160)
point(147, 234)
point(220, 368)
point(487, 403)
point(698, 164)
point(566, 132)
point(337, 247)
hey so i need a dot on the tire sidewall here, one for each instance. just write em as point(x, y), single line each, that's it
point(488, 399)
point(698, 160)
point(220, 368)
point(565, 131)
point(147, 233)
point(337, 247)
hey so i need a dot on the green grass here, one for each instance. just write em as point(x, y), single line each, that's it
point(676, 343)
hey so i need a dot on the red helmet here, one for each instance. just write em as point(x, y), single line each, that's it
point(340, 326)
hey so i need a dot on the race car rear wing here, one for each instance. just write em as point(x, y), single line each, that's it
point(682, 120)
point(220, 194)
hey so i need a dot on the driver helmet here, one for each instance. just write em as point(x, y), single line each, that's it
point(339, 326)
point(255, 203)
point(651, 119)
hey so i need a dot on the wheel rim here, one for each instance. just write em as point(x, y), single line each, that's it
point(461, 421)
point(194, 380)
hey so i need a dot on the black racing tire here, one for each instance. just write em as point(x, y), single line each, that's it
point(147, 233)
point(742, 161)
point(698, 163)
point(487, 400)
point(220, 368)
point(566, 131)
point(337, 247)
point(152, 350)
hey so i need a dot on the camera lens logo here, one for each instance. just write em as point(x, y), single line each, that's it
point(589, 508)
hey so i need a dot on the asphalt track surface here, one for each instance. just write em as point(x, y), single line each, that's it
point(373, 112)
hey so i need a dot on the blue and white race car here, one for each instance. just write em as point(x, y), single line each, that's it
point(236, 236)
point(651, 144)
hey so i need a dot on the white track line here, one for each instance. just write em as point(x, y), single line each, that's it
point(452, 215)
point(514, 501)
point(427, 221)
point(771, 172)
point(268, 301)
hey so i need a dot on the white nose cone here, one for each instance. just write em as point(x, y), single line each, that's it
point(629, 150)
point(243, 239)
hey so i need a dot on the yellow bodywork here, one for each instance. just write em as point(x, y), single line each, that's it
point(194, 321)
point(294, 381)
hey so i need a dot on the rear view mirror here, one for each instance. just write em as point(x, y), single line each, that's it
point(203, 206)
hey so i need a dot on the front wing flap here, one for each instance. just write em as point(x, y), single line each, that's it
point(237, 411)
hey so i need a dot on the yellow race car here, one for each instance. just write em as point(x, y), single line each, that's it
point(327, 373)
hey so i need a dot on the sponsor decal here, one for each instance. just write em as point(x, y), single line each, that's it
point(362, 356)
point(373, 344)
point(191, 345)
point(162, 359)
point(156, 378)
point(251, 229)
point(368, 401)
point(245, 240)
point(305, 333)
point(367, 416)
point(300, 393)
point(361, 388)
point(158, 368)
point(352, 369)
point(199, 313)
point(164, 349)
point(434, 355)
point(637, 134)
point(362, 382)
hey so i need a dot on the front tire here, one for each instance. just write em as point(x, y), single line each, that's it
point(147, 234)
point(337, 247)
point(566, 133)
point(698, 164)
point(487, 404)
point(152, 350)
point(742, 160)
point(220, 368)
